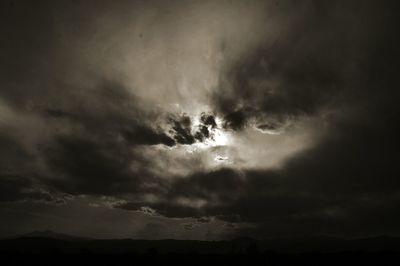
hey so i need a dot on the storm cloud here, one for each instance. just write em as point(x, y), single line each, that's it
point(277, 122)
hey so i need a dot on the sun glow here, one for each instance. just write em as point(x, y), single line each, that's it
point(219, 138)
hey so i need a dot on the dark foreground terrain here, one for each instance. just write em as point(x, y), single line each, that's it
point(35, 249)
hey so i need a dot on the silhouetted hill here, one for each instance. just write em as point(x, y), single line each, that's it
point(47, 241)
point(34, 248)
point(51, 235)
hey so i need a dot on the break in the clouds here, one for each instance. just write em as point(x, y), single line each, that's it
point(199, 119)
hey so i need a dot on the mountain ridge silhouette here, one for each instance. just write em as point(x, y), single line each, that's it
point(44, 241)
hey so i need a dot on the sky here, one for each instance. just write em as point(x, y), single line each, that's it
point(200, 120)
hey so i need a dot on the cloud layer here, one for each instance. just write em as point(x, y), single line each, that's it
point(277, 122)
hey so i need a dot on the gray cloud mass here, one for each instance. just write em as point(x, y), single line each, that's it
point(280, 122)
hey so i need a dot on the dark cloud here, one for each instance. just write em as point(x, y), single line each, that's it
point(13, 153)
point(91, 145)
point(43, 196)
point(184, 132)
point(197, 195)
point(236, 120)
point(87, 166)
point(206, 127)
point(309, 66)
point(147, 136)
point(222, 185)
point(349, 178)
point(202, 134)
point(20, 188)
point(268, 126)
point(16, 162)
point(342, 57)
point(208, 120)
point(67, 131)
point(12, 187)
point(57, 113)
point(182, 127)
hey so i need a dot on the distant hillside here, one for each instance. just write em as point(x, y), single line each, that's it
point(51, 235)
point(48, 241)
